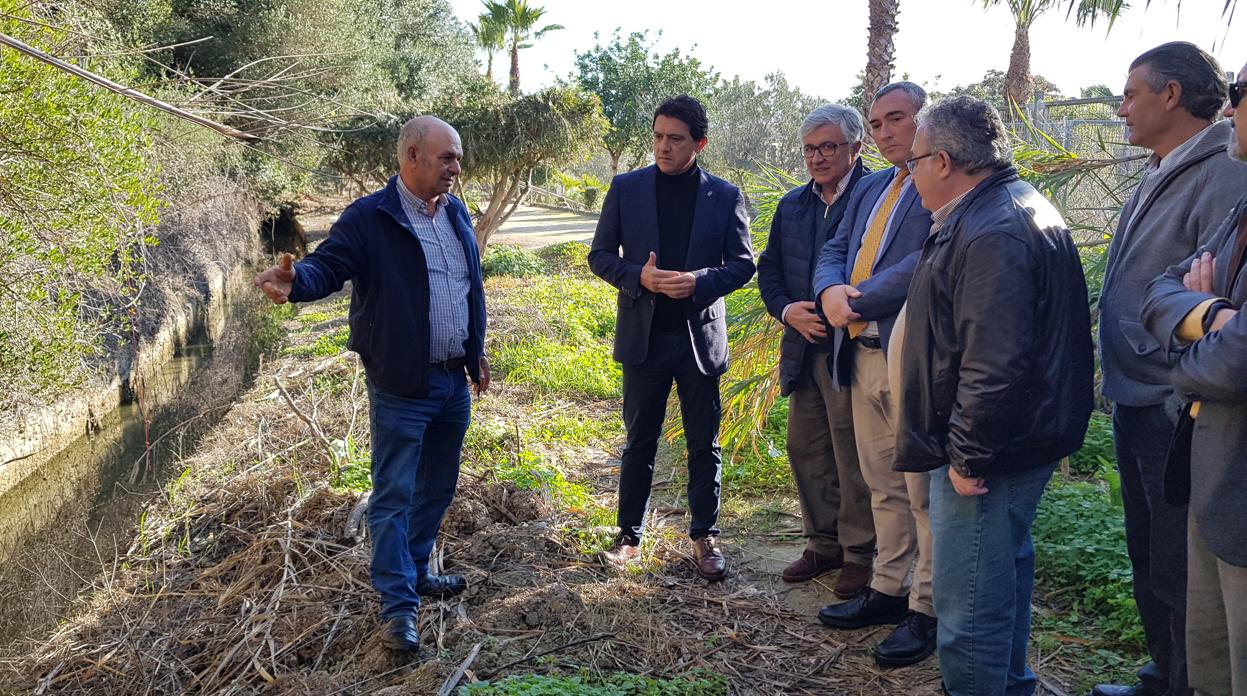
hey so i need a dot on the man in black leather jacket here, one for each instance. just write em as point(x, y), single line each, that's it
point(996, 385)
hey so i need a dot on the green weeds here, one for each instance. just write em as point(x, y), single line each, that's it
point(509, 260)
point(695, 683)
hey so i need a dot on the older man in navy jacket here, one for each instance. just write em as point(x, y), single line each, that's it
point(835, 502)
point(862, 277)
point(674, 240)
point(418, 323)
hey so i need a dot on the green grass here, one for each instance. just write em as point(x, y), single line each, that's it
point(554, 367)
point(762, 468)
point(326, 345)
point(1084, 572)
point(577, 430)
point(695, 683)
point(1097, 448)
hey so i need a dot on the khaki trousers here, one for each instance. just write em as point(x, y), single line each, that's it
point(822, 450)
point(899, 500)
point(1216, 621)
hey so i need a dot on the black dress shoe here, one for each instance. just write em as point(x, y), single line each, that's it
point(1121, 690)
point(871, 608)
point(441, 586)
point(400, 634)
point(912, 641)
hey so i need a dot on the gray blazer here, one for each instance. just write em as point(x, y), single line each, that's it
point(1212, 370)
point(1180, 215)
point(719, 247)
point(883, 294)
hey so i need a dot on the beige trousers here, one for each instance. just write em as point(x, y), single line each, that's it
point(899, 501)
point(1216, 621)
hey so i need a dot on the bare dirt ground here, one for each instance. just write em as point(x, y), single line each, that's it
point(249, 577)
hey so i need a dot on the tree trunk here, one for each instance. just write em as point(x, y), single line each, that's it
point(515, 66)
point(489, 67)
point(504, 191)
point(1018, 83)
point(615, 162)
point(880, 48)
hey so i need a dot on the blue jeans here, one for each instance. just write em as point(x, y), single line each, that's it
point(415, 466)
point(984, 573)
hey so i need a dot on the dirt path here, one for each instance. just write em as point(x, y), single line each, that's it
point(533, 228)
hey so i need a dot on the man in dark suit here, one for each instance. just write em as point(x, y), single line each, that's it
point(1193, 311)
point(418, 323)
point(861, 281)
point(835, 502)
point(684, 236)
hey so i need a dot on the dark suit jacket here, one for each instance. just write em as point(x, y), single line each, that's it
point(786, 266)
point(719, 248)
point(1211, 370)
point(883, 294)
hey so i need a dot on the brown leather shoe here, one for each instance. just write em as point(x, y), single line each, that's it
point(709, 559)
point(811, 565)
point(852, 580)
point(625, 552)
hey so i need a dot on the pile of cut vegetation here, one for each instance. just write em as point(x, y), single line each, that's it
point(250, 574)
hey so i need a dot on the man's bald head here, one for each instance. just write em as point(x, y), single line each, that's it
point(417, 130)
point(429, 151)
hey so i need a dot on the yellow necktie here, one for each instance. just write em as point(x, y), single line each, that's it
point(865, 261)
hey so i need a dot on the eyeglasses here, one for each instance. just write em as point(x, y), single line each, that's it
point(1237, 90)
point(912, 162)
point(827, 149)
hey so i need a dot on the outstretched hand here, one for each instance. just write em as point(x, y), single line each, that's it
point(278, 281)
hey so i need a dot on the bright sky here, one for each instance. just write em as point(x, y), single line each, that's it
point(821, 45)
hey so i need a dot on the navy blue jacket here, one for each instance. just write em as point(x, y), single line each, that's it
point(374, 246)
point(786, 266)
point(718, 248)
point(883, 294)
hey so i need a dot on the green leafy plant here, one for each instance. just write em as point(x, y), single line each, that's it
point(510, 260)
point(695, 683)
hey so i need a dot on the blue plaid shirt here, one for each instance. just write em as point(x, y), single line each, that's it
point(448, 276)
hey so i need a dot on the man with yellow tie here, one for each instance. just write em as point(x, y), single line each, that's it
point(861, 280)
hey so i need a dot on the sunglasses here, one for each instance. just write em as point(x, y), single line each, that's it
point(1237, 90)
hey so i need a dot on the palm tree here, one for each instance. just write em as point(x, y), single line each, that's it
point(1018, 81)
point(491, 37)
point(517, 18)
point(880, 48)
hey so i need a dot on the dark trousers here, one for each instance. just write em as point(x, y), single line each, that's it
point(415, 466)
point(1156, 541)
point(646, 387)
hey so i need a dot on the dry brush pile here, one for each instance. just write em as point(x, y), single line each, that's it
point(247, 576)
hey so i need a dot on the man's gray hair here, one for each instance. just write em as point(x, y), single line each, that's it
point(916, 93)
point(1203, 83)
point(970, 131)
point(411, 135)
point(848, 120)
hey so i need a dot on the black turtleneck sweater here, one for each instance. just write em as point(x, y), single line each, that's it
point(676, 197)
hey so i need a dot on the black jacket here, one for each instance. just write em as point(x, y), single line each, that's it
point(997, 364)
point(718, 248)
point(786, 266)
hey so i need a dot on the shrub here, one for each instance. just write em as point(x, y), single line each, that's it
point(566, 257)
point(1097, 448)
point(1080, 547)
point(509, 260)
